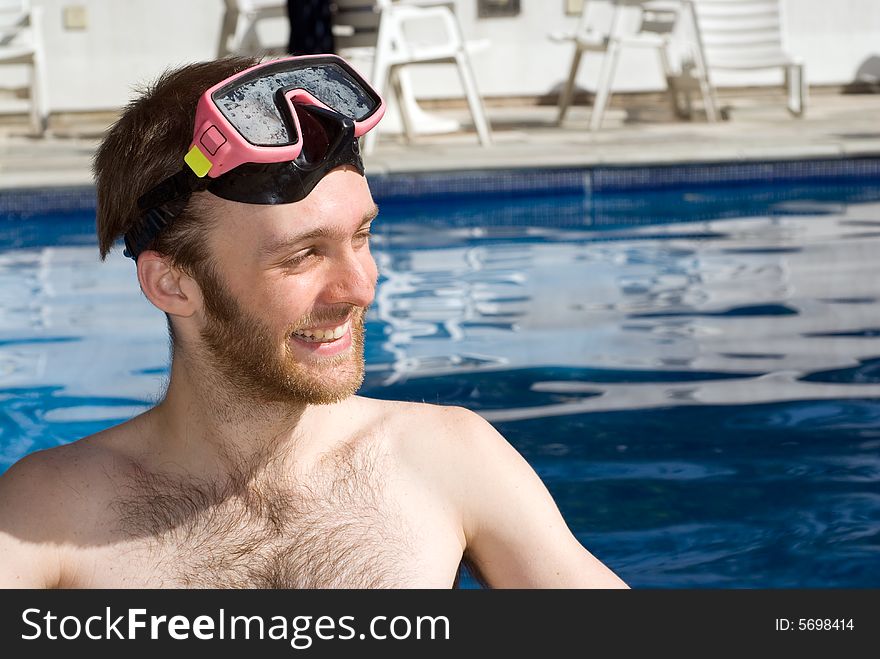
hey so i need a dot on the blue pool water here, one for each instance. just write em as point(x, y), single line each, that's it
point(695, 374)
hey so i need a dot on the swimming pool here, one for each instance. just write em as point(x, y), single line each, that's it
point(693, 371)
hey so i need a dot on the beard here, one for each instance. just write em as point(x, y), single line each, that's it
point(258, 362)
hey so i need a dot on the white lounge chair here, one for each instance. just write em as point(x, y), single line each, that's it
point(396, 48)
point(633, 24)
point(746, 35)
point(356, 24)
point(21, 43)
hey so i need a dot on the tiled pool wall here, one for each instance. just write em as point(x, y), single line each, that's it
point(524, 182)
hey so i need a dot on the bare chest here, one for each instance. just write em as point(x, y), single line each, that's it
point(352, 530)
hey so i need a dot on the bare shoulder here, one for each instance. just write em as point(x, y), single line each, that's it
point(405, 411)
point(514, 534)
point(53, 495)
point(420, 427)
point(54, 501)
point(35, 490)
point(451, 445)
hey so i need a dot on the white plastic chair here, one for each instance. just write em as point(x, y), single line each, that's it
point(238, 33)
point(356, 24)
point(633, 24)
point(396, 48)
point(21, 43)
point(746, 35)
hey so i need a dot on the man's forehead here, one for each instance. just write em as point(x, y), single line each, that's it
point(339, 204)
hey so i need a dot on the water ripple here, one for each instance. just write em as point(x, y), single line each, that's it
point(694, 373)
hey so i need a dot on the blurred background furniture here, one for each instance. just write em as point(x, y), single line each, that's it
point(357, 29)
point(381, 38)
point(637, 24)
point(746, 35)
point(421, 32)
point(21, 44)
point(239, 31)
point(240, 28)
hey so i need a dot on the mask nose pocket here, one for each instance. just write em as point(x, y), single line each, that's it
point(324, 134)
point(319, 133)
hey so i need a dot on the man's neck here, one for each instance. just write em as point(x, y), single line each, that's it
point(211, 431)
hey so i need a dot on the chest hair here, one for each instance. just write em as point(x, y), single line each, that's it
point(335, 529)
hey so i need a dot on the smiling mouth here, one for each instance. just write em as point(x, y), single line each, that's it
point(323, 336)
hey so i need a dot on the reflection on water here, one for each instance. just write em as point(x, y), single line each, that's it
point(696, 376)
point(750, 310)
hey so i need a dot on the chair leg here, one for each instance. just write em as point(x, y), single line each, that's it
point(38, 114)
point(804, 90)
point(379, 76)
point(688, 110)
point(239, 34)
point(603, 86)
point(669, 76)
point(227, 29)
point(475, 102)
point(568, 91)
point(397, 85)
point(701, 67)
point(369, 140)
point(707, 92)
point(379, 81)
point(39, 93)
point(250, 40)
point(795, 86)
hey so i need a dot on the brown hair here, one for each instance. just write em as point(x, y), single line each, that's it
point(145, 146)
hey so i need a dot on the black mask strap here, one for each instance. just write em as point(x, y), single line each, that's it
point(161, 205)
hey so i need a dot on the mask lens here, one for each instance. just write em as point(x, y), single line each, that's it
point(249, 103)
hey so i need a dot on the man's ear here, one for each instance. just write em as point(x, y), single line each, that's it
point(166, 286)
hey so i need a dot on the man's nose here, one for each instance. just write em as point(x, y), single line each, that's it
point(353, 279)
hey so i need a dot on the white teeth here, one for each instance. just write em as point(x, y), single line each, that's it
point(323, 335)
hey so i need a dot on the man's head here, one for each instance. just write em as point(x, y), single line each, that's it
point(252, 292)
point(144, 147)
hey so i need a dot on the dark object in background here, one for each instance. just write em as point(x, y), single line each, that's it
point(497, 8)
point(311, 27)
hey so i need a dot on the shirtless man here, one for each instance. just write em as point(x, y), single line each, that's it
point(260, 467)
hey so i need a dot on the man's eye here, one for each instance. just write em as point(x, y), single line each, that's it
point(363, 236)
point(298, 259)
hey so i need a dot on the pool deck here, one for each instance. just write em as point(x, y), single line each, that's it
point(638, 130)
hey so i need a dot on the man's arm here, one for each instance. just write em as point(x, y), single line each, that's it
point(28, 558)
point(516, 536)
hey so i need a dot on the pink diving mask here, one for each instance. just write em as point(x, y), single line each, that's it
point(266, 135)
